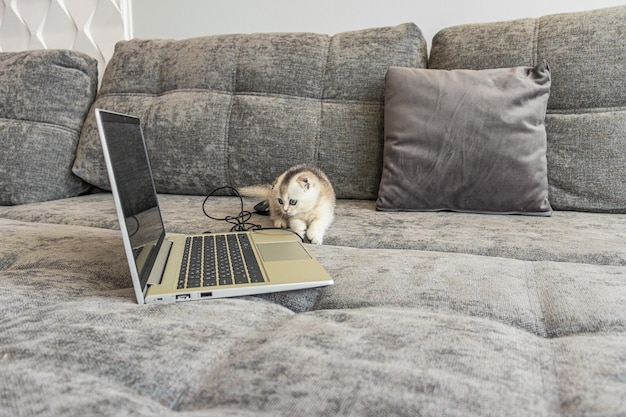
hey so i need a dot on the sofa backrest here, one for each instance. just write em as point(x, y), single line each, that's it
point(239, 109)
point(44, 98)
point(586, 116)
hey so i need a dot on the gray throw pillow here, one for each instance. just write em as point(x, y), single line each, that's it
point(586, 115)
point(466, 140)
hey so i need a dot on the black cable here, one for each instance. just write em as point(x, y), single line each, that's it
point(241, 222)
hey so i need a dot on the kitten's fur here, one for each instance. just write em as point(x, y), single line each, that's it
point(302, 199)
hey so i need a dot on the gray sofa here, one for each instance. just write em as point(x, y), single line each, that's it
point(452, 312)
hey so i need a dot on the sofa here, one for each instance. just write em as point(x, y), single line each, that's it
point(443, 304)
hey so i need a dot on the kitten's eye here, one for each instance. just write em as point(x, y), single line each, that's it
point(280, 201)
point(293, 202)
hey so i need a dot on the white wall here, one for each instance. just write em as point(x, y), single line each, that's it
point(181, 19)
point(92, 27)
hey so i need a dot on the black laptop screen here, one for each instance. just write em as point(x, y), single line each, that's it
point(137, 195)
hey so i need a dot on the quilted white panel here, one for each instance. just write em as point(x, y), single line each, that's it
point(90, 26)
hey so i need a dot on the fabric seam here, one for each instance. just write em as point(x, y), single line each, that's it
point(229, 113)
point(535, 52)
point(318, 139)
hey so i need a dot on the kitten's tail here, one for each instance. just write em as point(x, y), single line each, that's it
point(258, 191)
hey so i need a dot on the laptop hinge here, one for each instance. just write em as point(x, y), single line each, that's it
point(156, 275)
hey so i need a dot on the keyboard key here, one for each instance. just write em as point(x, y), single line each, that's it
point(218, 260)
point(182, 276)
point(224, 276)
point(254, 270)
point(210, 271)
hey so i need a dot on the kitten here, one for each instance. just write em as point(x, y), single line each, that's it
point(302, 199)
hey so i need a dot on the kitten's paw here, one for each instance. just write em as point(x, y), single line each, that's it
point(316, 238)
point(281, 223)
point(316, 232)
point(298, 226)
point(299, 232)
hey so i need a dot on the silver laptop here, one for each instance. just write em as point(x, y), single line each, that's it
point(171, 268)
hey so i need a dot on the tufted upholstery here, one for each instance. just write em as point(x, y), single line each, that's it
point(44, 98)
point(586, 116)
point(240, 109)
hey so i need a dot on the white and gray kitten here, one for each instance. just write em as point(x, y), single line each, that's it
point(301, 199)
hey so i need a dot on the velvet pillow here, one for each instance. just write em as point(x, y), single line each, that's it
point(466, 140)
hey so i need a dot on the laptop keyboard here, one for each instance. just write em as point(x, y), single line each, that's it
point(215, 260)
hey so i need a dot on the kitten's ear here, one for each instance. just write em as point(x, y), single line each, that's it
point(304, 183)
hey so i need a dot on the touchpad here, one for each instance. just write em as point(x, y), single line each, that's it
point(282, 251)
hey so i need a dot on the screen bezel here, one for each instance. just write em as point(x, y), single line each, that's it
point(139, 273)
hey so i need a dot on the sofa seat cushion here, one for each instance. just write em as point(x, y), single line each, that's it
point(240, 109)
point(586, 115)
point(486, 336)
point(567, 236)
point(548, 299)
point(44, 99)
point(36, 247)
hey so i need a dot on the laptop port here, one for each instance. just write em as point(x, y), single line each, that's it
point(206, 294)
point(182, 297)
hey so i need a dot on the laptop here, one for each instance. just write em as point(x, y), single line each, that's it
point(169, 268)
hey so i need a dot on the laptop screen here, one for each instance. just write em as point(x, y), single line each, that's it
point(135, 187)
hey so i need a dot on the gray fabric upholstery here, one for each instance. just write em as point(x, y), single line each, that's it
point(44, 98)
point(444, 334)
point(240, 109)
point(567, 236)
point(466, 140)
point(432, 313)
point(586, 115)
